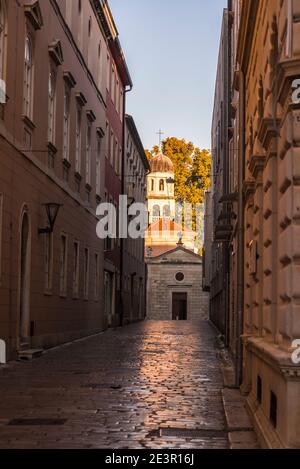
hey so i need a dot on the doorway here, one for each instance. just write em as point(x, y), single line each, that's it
point(24, 282)
point(179, 306)
point(108, 297)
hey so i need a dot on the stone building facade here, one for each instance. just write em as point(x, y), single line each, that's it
point(208, 240)
point(174, 286)
point(269, 56)
point(118, 83)
point(53, 59)
point(263, 129)
point(134, 274)
point(219, 287)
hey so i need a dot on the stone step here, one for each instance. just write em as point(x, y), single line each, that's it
point(24, 346)
point(29, 354)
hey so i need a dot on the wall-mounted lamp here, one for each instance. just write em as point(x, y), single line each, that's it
point(52, 210)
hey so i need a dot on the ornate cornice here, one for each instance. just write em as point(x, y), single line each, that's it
point(256, 164)
point(276, 358)
point(34, 14)
point(267, 131)
point(55, 52)
point(69, 79)
point(248, 188)
point(81, 99)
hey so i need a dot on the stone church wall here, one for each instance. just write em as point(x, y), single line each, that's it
point(162, 284)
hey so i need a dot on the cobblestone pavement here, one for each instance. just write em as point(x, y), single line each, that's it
point(125, 388)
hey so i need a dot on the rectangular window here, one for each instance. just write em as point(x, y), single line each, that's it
point(112, 143)
point(106, 149)
point(113, 84)
point(97, 277)
point(86, 273)
point(88, 155)
point(51, 104)
point(3, 39)
point(80, 25)
point(98, 166)
point(69, 12)
point(120, 160)
point(78, 140)
point(76, 269)
point(1, 230)
point(63, 265)
point(116, 155)
point(99, 69)
point(121, 105)
point(118, 96)
point(108, 73)
point(28, 76)
point(48, 262)
point(66, 129)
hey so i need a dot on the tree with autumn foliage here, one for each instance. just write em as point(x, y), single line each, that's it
point(192, 172)
point(192, 167)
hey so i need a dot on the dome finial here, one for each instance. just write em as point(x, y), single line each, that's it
point(160, 133)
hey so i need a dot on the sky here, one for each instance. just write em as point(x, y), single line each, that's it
point(171, 48)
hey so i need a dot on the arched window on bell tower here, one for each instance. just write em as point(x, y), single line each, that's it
point(161, 185)
point(166, 212)
point(155, 213)
point(152, 184)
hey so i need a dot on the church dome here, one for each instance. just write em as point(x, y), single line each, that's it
point(161, 164)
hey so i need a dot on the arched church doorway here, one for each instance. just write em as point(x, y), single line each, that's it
point(24, 281)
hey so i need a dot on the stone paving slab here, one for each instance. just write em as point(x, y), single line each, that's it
point(116, 388)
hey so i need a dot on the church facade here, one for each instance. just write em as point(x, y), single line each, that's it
point(174, 286)
point(174, 270)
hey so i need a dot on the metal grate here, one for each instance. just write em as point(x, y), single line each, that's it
point(37, 421)
point(192, 433)
point(102, 386)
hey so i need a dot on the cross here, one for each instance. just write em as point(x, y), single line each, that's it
point(160, 133)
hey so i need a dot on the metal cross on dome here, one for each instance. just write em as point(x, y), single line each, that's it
point(160, 133)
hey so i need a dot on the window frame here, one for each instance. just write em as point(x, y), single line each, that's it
point(78, 139)
point(88, 152)
point(66, 122)
point(76, 267)
point(86, 277)
point(28, 77)
point(63, 264)
point(52, 104)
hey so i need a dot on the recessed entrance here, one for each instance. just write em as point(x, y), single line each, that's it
point(179, 306)
point(24, 281)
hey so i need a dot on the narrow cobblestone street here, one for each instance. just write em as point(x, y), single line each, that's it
point(125, 388)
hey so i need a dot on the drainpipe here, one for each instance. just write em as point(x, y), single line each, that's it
point(123, 190)
point(240, 266)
